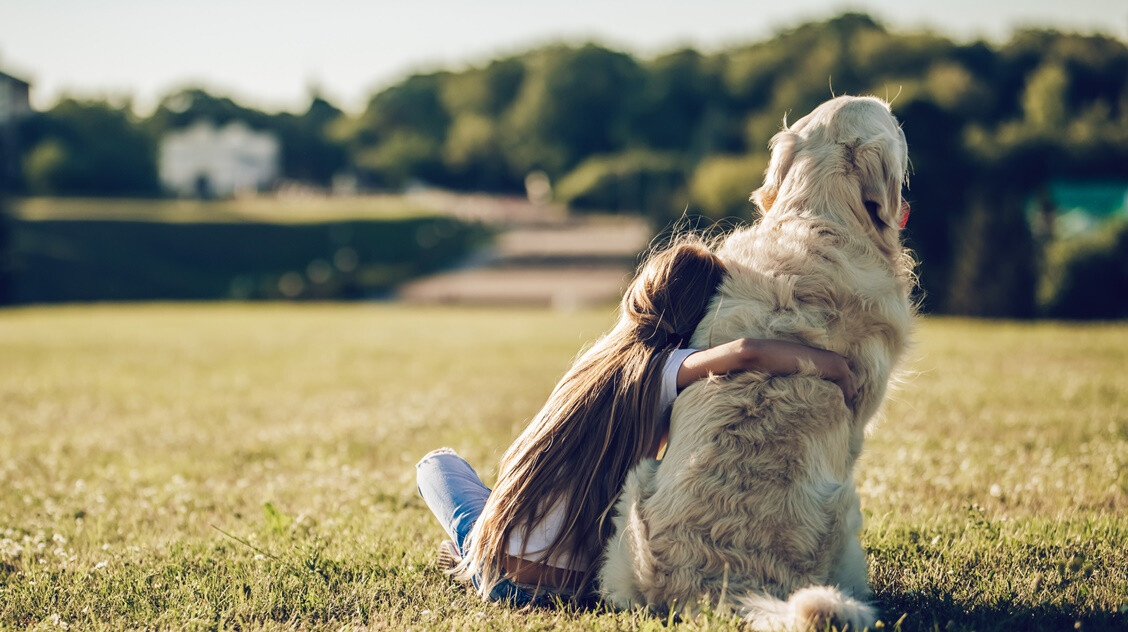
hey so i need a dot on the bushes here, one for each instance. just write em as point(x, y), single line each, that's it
point(89, 148)
point(1087, 277)
point(652, 183)
point(721, 185)
point(108, 260)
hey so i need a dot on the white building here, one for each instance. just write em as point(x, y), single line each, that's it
point(205, 161)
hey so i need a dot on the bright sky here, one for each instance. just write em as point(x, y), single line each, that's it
point(268, 53)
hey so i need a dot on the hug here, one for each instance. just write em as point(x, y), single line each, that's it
point(706, 443)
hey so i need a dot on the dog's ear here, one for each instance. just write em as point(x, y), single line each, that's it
point(784, 145)
point(880, 178)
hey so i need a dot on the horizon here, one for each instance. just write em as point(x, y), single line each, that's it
point(255, 59)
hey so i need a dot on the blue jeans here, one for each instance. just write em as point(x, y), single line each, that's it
point(456, 495)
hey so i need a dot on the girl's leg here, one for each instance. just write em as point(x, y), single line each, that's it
point(456, 495)
point(453, 491)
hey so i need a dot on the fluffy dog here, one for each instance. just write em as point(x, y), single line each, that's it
point(755, 495)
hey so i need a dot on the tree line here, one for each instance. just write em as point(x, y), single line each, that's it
point(989, 126)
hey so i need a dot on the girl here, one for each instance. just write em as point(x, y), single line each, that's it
point(540, 532)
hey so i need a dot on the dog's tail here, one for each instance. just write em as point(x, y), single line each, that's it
point(808, 608)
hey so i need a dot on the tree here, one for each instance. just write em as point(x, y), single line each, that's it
point(477, 101)
point(184, 107)
point(675, 106)
point(638, 181)
point(310, 153)
point(721, 185)
point(89, 148)
point(574, 103)
point(401, 133)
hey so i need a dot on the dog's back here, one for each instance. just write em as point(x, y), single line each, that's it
point(755, 496)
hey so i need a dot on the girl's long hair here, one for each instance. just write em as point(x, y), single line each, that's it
point(600, 420)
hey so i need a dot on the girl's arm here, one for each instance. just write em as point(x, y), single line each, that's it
point(775, 357)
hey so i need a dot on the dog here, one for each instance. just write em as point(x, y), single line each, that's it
point(755, 498)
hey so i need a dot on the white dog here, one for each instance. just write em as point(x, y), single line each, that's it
point(755, 495)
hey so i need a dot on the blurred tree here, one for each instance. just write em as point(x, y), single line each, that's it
point(488, 91)
point(477, 101)
point(994, 261)
point(1052, 131)
point(474, 158)
point(1086, 277)
point(637, 181)
point(310, 153)
point(401, 133)
point(89, 148)
point(574, 103)
point(990, 128)
point(721, 185)
point(935, 190)
point(184, 107)
point(1043, 100)
point(675, 104)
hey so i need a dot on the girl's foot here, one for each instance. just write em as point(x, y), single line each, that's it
point(449, 558)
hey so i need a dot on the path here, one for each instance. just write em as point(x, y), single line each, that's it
point(541, 256)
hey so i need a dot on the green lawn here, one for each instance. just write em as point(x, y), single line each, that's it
point(133, 437)
point(268, 209)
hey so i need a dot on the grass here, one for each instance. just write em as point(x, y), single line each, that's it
point(266, 209)
point(235, 466)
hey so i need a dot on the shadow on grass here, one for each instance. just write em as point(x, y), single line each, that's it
point(945, 612)
point(929, 612)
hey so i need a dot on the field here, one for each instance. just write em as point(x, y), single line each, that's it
point(251, 466)
point(268, 209)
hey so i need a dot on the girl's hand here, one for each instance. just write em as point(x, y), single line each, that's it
point(775, 357)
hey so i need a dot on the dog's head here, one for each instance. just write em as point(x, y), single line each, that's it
point(853, 149)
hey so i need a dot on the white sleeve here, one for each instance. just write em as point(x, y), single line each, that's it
point(670, 377)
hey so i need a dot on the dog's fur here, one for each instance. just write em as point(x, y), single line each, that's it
point(755, 496)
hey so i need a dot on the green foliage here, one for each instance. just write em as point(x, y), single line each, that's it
point(400, 135)
point(416, 105)
point(473, 155)
point(89, 148)
point(400, 155)
point(993, 273)
point(136, 438)
point(989, 126)
point(45, 167)
point(634, 182)
point(721, 185)
point(277, 521)
point(187, 106)
point(309, 152)
point(678, 109)
point(573, 104)
point(487, 91)
point(207, 258)
point(1043, 101)
point(1086, 277)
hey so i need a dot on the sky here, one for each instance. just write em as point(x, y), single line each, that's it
point(271, 54)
